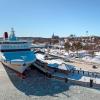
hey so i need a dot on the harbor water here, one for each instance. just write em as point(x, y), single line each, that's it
point(36, 86)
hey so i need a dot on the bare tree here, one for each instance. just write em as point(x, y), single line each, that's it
point(67, 46)
point(91, 53)
point(77, 46)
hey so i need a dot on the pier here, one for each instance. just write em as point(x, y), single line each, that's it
point(37, 86)
point(78, 77)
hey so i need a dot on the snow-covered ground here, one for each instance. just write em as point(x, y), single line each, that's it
point(63, 52)
point(83, 78)
point(95, 59)
point(55, 63)
point(61, 66)
point(82, 54)
point(58, 63)
point(97, 53)
point(40, 56)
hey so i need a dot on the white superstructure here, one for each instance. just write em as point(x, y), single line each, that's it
point(15, 53)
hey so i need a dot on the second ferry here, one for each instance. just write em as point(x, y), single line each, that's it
point(16, 54)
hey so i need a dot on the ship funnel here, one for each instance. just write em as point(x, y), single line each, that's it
point(5, 35)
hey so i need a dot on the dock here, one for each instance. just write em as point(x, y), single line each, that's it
point(78, 77)
point(38, 87)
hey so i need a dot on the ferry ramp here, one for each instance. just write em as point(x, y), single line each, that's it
point(41, 66)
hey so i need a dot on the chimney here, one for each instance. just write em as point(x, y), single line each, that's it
point(5, 35)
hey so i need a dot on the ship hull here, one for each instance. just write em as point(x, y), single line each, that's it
point(18, 61)
point(17, 67)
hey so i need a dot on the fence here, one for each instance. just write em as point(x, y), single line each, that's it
point(86, 73)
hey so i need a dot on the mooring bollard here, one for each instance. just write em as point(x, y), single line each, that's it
point(73, 71)
point(48, 75)
point(83, 72)
point(66, 80)
point(78, 71)
point(91, 82)
point(88, 73)
point(93, 74)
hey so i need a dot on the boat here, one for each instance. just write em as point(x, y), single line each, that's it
point(16, 54)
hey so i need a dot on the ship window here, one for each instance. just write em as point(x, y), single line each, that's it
point(13, 42)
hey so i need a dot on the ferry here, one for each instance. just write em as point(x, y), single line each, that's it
point(16, 54)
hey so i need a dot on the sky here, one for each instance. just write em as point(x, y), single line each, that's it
point(42, 18)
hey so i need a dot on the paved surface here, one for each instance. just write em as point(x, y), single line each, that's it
point(36, 87)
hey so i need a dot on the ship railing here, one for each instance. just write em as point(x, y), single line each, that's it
point(7, 61)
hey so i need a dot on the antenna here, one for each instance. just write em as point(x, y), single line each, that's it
point(12, 30)
point(12, 35)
